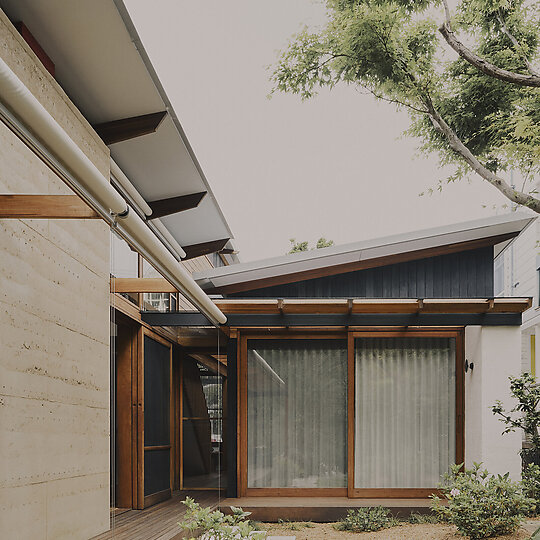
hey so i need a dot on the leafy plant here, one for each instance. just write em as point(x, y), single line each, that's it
point(424, 518)
point(217, 526)
point(530, 482)
point(525, 415)
point(291, 525)
point(369, 519)
point(297, 247)
point(481, 505)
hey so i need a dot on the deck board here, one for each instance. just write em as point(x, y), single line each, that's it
point(159, 522)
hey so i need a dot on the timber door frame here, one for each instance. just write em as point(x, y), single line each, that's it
point(350, 491)
point(125, 419)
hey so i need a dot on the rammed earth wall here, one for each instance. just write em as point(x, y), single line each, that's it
point(54, 337)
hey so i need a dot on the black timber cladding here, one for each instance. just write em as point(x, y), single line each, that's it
point(467, 274)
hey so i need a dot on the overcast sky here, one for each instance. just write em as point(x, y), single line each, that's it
point(336, 166)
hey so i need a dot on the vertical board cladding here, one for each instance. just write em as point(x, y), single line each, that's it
point(54, 336)
point(232, 412)
point(468, 274)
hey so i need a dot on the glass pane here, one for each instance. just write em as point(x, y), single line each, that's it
point(405, 411)
point(203, 459)
point(157, 469)
point(297, 413)
point(156, 393)
point(124, 261)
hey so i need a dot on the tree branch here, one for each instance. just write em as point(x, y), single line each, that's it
point(481, 64)
point(517, 45)
point(394, 101)
point(459, 148)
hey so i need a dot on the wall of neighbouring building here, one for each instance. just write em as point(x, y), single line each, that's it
point(495, 352)
point(517, 266)
point(54, 337)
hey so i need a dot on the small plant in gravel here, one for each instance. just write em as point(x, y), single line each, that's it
point(423, 518)
point(291, 525)
point(214, 525)
point(368, 519)
point(482, 505)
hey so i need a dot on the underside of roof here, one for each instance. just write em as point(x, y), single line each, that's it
point(473, 235)
point(101, 64)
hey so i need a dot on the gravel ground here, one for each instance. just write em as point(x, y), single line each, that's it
point(318, 531)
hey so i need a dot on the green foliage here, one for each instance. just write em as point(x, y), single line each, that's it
point(530, 482)
point(393, 49)
point(324, 243)
point(295, 525)
point(216, 525)
point(369, 519)
point(481, 505)
point(297, 247)
point(423, 518)
point(525, 414)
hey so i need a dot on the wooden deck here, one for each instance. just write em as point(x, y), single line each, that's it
point(159, 522)
point(322, 509)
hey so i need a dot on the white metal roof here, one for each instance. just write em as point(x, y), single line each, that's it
point(101, 64)
point(362, 251)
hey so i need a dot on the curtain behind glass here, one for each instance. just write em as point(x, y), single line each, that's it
point(405, 411)
point(297, 413)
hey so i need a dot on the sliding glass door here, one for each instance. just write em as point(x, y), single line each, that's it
point(296, 414)
point(405, 411)
point(363, 414)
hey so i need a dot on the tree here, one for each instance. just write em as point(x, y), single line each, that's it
point(525, 415)
point(479, 110)
point(297, 247)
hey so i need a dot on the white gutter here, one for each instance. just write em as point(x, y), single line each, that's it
point(84, 177)
point(168, 237)
point(128, 190)
point(118, 174)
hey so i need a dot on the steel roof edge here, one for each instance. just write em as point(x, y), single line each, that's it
point(135, 38)
point(317, 258)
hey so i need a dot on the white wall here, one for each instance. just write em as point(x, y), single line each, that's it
point(495, 352)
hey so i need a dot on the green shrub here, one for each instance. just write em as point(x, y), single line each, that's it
point(216, 525)
point(366, 519)
point(481, 505)
point(530, 482)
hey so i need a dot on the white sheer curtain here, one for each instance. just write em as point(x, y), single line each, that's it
point(297, 413)
point(404, 412)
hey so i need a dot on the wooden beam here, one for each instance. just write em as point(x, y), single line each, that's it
point(141, 285)
point(129, 128)
point(38, 50)
point(45, 207)
point(173, 205)
point(197, 250)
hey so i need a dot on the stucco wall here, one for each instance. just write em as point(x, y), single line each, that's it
point(495, 352)
point(54, 338)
